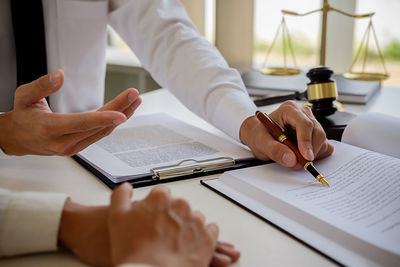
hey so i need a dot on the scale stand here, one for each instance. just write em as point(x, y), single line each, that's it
point(361, 54)
point(321, 91)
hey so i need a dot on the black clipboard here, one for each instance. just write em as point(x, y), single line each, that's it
point(175, 172)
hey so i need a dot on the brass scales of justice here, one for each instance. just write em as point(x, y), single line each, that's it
point(321, 92)
point(360, 54)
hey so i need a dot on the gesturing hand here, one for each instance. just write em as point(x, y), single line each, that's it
point(311, 138)
point(32, 128)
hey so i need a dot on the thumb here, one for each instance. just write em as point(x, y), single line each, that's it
point(34, 91)
point(121, 198)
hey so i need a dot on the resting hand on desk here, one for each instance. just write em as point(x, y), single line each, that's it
point(310, 136)
point(32, 128)
point(159, 230)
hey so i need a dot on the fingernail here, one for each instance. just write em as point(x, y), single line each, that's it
point(132, 97)
point(55, 77)
point(118, 121)
point(287, 159)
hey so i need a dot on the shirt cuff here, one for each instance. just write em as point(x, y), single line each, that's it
point(31, 223)
point(233, 108)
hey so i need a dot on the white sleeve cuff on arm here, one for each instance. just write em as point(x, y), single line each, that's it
point(233, 107)
point(29, 221)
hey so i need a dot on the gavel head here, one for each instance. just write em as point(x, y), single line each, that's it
point(321, 91)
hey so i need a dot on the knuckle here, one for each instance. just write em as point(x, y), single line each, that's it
point(290, 103)
point(158, 196)
point(308, 123)
point(182, 204)
point(320, 133)
point(307, 109)
point(199, 219)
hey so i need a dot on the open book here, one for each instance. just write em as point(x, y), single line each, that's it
point(151, 148)
point(357, 220)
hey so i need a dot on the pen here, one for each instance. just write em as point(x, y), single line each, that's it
point(278, 133)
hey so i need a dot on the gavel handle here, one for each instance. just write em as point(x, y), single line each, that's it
point(278, 99)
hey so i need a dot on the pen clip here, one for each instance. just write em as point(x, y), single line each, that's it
point(197, 166)
point(277, 124)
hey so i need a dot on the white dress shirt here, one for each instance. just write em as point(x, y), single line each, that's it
point(29, 221)
point(8, 62)
point(169, 47)
point(163, 38)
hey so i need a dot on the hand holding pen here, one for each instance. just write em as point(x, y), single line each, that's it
point(309, 134)
point(279, 134)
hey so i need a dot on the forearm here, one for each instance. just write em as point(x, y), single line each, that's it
point(169, 46)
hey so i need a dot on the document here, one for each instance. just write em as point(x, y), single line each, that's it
point(356, 221)
point(152, 141)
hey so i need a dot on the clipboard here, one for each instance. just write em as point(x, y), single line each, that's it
point(185, 169)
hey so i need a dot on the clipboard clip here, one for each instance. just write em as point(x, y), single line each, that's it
point(191, 166)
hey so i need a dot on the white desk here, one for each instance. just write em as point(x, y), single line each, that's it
point(261, 244)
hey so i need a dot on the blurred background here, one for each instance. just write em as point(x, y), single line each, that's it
point(243, 30)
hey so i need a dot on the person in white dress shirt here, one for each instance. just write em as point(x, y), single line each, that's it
point(169, 47)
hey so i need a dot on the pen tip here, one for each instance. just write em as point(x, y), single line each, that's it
point(324, 182)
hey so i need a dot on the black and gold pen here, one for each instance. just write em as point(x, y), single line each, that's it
point(278, 133)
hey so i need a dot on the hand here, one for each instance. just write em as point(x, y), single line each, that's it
point(84, 230)
point(32, 128)
point(162, 231)
point(311, 138)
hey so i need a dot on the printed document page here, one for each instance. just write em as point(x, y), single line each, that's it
point(155, 140)
point(350, 221)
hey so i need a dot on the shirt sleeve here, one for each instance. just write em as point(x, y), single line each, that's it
point(168, 45)
point(29, 221)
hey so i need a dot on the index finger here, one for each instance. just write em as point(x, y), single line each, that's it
point(303, 125)
point(60, 124)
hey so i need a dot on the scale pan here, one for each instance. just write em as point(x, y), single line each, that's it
point(366, 76)
point(280, 71)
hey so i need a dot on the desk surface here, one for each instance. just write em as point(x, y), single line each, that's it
point(261, 244)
